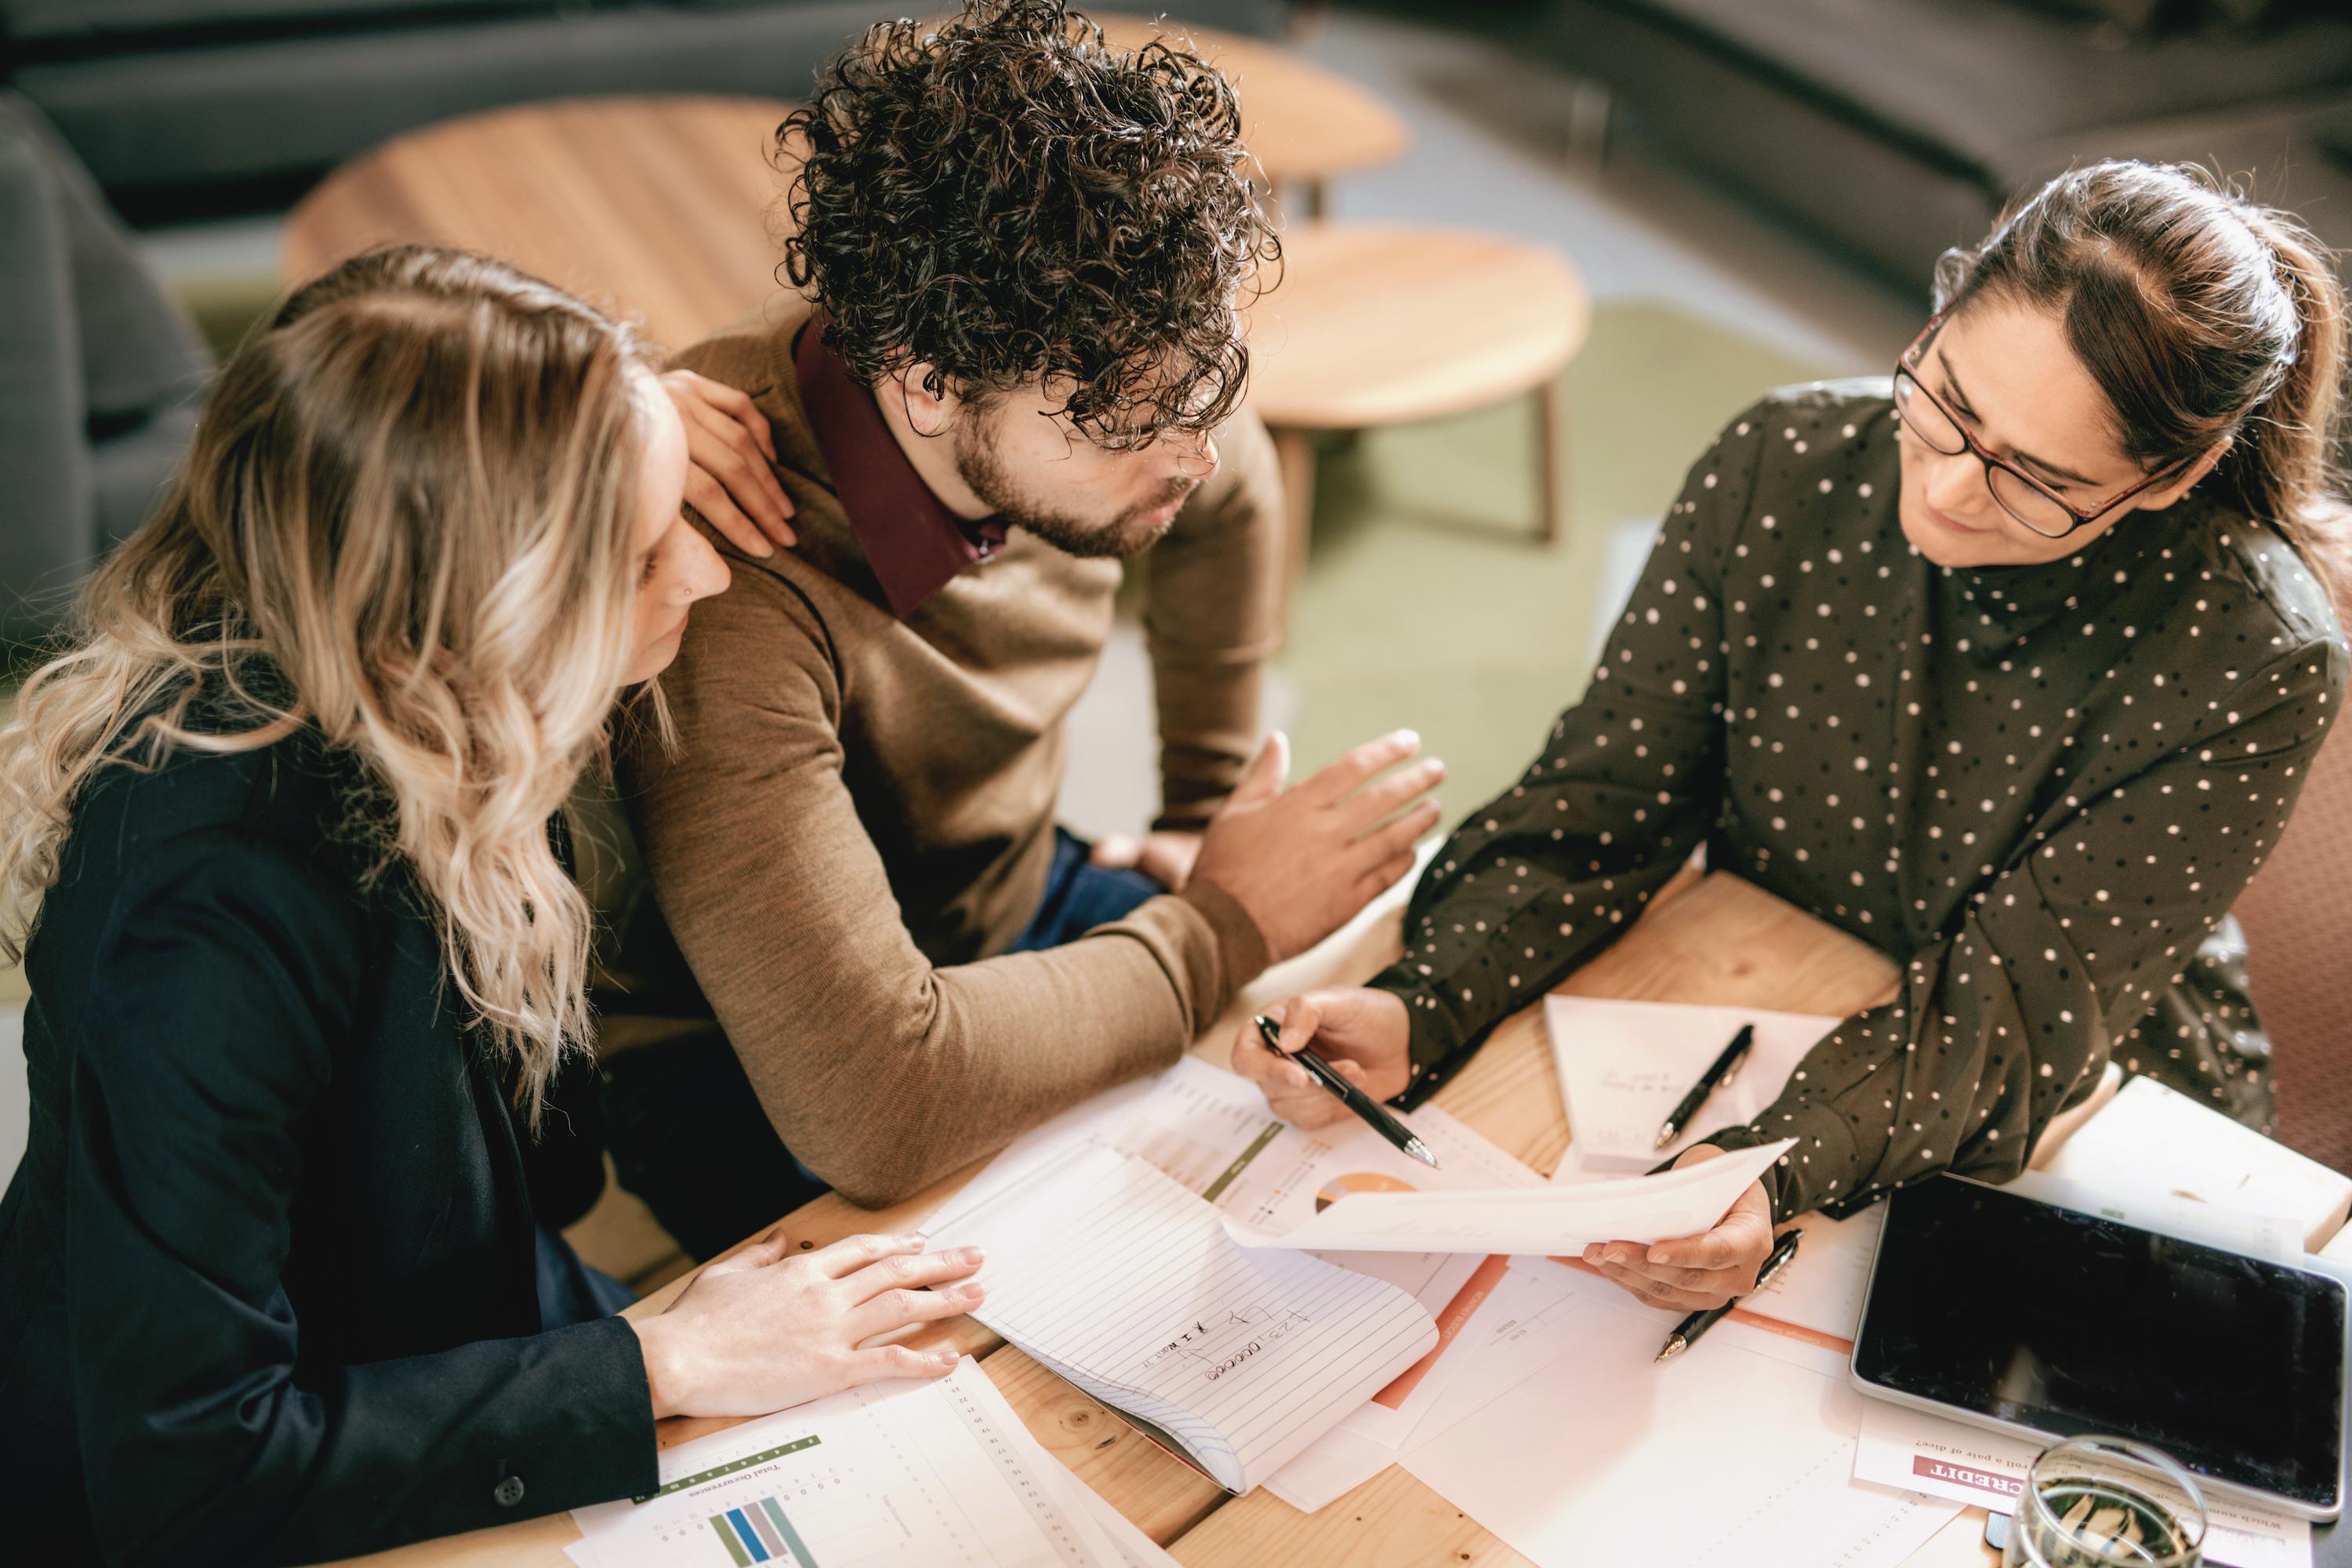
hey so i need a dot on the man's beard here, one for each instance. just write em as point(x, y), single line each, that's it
point(1122, 538)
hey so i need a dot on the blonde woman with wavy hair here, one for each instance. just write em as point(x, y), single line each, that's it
point(307, 1037)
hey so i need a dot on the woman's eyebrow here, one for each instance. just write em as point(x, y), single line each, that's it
point(2064, 475)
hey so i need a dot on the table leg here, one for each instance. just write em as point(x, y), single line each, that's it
point(1295, 451)
point(1551, 457)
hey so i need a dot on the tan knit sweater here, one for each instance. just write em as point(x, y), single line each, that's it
point(860, 818)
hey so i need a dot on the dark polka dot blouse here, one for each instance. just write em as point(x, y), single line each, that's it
point(2038, 788)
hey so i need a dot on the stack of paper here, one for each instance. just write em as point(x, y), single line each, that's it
point(893, 1475)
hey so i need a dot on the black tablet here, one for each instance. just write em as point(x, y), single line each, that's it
point(1996, 1309)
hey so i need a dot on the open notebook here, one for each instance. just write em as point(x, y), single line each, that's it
point(1125, 1283)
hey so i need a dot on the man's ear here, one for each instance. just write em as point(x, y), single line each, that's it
point(927, 413)
point(2172, 490)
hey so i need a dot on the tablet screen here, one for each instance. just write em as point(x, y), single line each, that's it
point(2071, 1323)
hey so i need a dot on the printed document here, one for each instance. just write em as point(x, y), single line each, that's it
point(1737, 1454)
point(1968, 1464)
point(1117, 1279)
point(1554, 1218)
point(892, 1475)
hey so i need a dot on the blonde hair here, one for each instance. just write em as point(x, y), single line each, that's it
point(405, 523)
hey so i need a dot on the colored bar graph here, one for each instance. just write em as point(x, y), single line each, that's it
point(769, 1537)
point(751, 1542)
point(792, 1537)
point(761, 1533)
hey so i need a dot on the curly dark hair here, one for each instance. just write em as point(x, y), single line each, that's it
point(1009, 198)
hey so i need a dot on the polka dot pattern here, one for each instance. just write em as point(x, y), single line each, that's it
point(2037, 788)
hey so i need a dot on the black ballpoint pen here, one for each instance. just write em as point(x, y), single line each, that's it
point(1687, 1331)
point(1725, 1068)
point(1354, 1099)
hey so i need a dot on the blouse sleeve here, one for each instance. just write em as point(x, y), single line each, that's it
point(2011, 1017)
point(206, 1435)
point(1542, 878)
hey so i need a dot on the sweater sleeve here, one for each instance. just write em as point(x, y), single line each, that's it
point(1212, 618)
point(207, 1434)
point(880, 1071)
point(2011, 1017)
point(1543, 876)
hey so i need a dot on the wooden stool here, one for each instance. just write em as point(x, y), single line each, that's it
point(656, 208)
point(1377, 324)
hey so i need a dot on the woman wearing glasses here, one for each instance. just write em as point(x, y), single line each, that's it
point(2013, 670)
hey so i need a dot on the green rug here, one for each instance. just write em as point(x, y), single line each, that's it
point(1428, 600)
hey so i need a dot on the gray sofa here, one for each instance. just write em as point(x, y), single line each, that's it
point(98, 372)
point(1895, 127)
point(186, 107)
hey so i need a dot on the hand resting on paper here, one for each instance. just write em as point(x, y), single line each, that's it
point(768, 1326)
point(1360, 1032)
point(1693, 1273)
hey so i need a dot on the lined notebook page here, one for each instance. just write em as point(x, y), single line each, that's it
point(1127, 1284)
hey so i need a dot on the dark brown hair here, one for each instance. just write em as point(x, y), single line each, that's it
point(1008, 199)
point(2203, 317)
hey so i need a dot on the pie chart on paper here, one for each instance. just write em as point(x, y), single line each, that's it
point(1338, 1188)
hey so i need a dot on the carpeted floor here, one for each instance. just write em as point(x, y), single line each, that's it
point(1429, 602)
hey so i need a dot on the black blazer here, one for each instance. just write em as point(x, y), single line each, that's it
point(267, 1273)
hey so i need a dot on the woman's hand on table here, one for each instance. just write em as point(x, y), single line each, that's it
point(732, 477)
point(1695, 1273)
point(1360, 1032)
point(769, 1327)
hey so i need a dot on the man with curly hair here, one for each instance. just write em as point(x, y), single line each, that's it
point(1013, 360)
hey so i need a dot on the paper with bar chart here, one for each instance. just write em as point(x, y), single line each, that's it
point(894, 1475)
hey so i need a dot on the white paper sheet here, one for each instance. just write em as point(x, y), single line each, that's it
point(1135, 1549)
point(1824, 1286)
point(1951, 1459)
point(1210, 1130)
point(2256, 1233)
point(1123, 1282)
point(1501, 1344)
point(893, 1475)
point(1551, 1219)
point(1738, 1455)
point(1624, 1066)
point(2152, 1141)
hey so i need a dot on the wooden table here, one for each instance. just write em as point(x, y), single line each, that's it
point(1376, 324)
point(1719, 941)
point(653, 207)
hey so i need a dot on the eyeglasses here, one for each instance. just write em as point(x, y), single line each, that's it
point(2021, 495)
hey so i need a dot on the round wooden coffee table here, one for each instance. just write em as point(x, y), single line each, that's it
point(656, 207)
point(1375, 324)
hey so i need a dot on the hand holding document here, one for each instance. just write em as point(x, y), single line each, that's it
point(1550, 1219)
